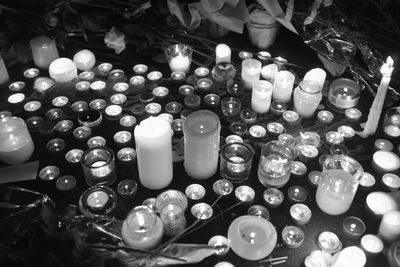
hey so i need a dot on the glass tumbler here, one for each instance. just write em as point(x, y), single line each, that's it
point(306, 98)
point(98, 164)
point(179, 57)
point(275, 164)
point(235, 163)
point(338, 185)
point(16, 145)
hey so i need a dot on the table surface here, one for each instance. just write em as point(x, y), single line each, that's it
point(288, 46)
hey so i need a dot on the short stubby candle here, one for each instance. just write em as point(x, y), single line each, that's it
point(316, 75)
point(44, 51)
point(179, 57)
point(84, 60)
point(283, 86)
point(63, 70)
point(261, 96)
point(251, 69)
point(222, 54)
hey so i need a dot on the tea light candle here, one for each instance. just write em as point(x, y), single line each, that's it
point(63, 70)
point(180, 63)
point(383, 144)
point(310, 138)
point(261, 96)
point(44, 51)
point(352, 114)
point(160, 92)
point(366, 181)
point(308, 153)
point(153, 109)
point(137, 83)
point(298, 169)
point(104, 68)
point(121, 87)
point(122, 138)
point(127, 189)
point(372, 244)
point(245, 55)
point(277, 108)
point(315, 177)
point(385, 161)
point(257, 131)
point(238, 128)
point(16, 99)
point(269, 71)
point(118, 99)
point(97, 104)
point(291, 117)
point(329, 242)
point(178, 77)
point(221, 243)
point(153, 144)
point(192, 101)
point(212, 100)
point(127, 155)
point(113, 112)
point(222, 187)
point(379, 203)
point(204, 85)
point(84, 60)
point(54, 114)
point(297, 194)
point(392, 131)
point(49, 173)
point(233, 138)
point(195, 191)
point(316, 75)
point(64, 127)
point(275, 128)
point(325, 116)
point(389, 228)
point(251, 69)
point(273, 197)
point(222, 54)
point(248, 116)
point(43, 85)
point(82, 87)
point(201, 72)
point(283, 86)
point(201, 211)
point(16, 86)
point(347, 132)
point(154, 76)
point(333, 138)
point(259, 211)
point(82, 133)
point(60, 101)
point(74, 156)
point(128, 122)
point(300, 213)
point(86, 75)
point(245, 193)
point(391, 181)
point(31, 73)
point(117, 75)
point(185, 90)
point(98, 86)
point(96, 141)
point(353, 227)
point(66, 183)
point(252, 238)
point(140, 69)
point(287, 139)
point(292, 236)
point(138, 110)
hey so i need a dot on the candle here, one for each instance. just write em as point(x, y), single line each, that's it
point(64, 127)
point(127, 189)
point(128, 122)
point(245, 55)
point(117, 75)
point(16, 145)
point(118, 99)
point(248, 116)
point(318, 258)
point(291, 117)
point(17, 86)
point(97, 199)
point(154, 152)
point(259, 211)
point(352, 114)
point(201, 136)
point(74, 156)
point(201, 72)
point(121, 87)
point(66, 183)
point(142, 228)
point(16, 99)
point(212, 100)
point(316, 75)
point(385, 161)
point(300, 213)
point(113, 112)
point(96, 141)
point(366, 181)
point(306, 98)
point(353, 227)
point(325, 116)
point(343, 94)
point(179, 63)
point(298, 169)
point(372, 244)
point(104, 68)
point(55, 145)
point(235, 163)
point(60, 101)
point(84, 60)
point(273, 197)
point(222, 245)
point(329, 242)
point(269, 71)
point(179, 57)
point(43, 85)
point(252, 238)
point(257, 131)
point(349, 256)
point(195, 191)
point(308, 153)
point(379, 203)
point(222, 54)
point(347, 132)
point(297, 193)
point(292, 236)
point(261, 96)
point(333, 138)
point(383, 144)
point(391, 181)
point(122, 138)
point(63, 70)
point(376, 108)
point(86, 75)
point(31, 73)
point(97, 104)
point(192, 101)
point(98, 164)
point(222, 187)
point(44, 51)
point(201, 211)
point(49, 173)
point(4, 77)
point(283, 86)
point(251, 69)
point(140, 69)
point(127, 155)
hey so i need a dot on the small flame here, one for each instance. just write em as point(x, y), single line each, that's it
point(387, 67)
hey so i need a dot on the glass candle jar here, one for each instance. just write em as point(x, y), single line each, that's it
point(307, 97)
point(236, 160)
point(98, 165)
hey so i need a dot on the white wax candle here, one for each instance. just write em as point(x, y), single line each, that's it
point(44, 51)
point(389, 228)
point(222, 54)
point(97, 199)
point(261, 96)
point(154, 152)
point(251, 69)
point(63, 70)
point(84, 60)
point(349, 256)
point(283, 86)
point(180, 63)
point(269, 71)
point(4, 77)
point(316, 75)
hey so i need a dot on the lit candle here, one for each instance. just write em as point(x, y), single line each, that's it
point(372, 244)
point(98, 164)
point(379, 203)
point(113, 112)
point(17, 86)
point(352, 114)
point(140, 69)
point(60, 101)
point(97, 199)
point(32, 106)
point(44, 51)
point(84, 60)
point(31, 73)
point(251, 69)
point(104, 68)
point(268, 72)
point(353, 227)
point(43, 85)
point(283, 86)
point(261, 96)
point(317, 75)
point(292, 236)
point(16, 99)
point(377, 105)
point(222, 54)
point(66, 183)
point(349, 256)
point(179, 57)
point(154, 76)
point(63, 70)
point(343, 94)
point(4, 77)
point(137, 83)
point(300, 213)
point(391, 181)
point(325, 116)
point(154, 152)
point(385, 161)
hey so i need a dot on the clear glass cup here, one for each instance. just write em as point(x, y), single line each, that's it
point(16, 145)
point(306, 98)
point(251, 70)
point(235, 163)
point(179, 57)
point(98, 164)
point(338, 185)
point(230, 106)
point(275, 164)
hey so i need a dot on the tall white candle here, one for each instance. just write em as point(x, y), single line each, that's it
point(261, 96)
point(222, 54)
point(389, 229)
point(376, 108)
point(317, 75)
point(4, 77)
point(154, 152)
point(44, 51)
point(283, 86)
point(251, 69)
point(63, 70)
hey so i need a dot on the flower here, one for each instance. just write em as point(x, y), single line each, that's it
point(115, 39)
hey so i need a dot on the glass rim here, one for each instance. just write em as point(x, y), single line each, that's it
point(108, 151)
point(249, 152)
point(316, 89)
point(144, 208)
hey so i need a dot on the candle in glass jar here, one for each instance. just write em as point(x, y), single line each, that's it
point(389, 228)
point(261, 96)
point(44, 51)
point(283, 86)
point(251, 69)
point(154, 152)
point(84, 60)
point(97, 199)
point(63, 70)
point(179, 63)
point(222, 54)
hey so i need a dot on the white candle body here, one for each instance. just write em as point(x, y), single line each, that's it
point(222, 54)
point(84, 60)
point(261, 96)
point(268, 72)
point(4, 77)
point(154, 152)
point(349, 256)
point(283, 86)
point(180, 63)
point(44, 51)
point(389, 229)
point(201, 136)
point(251, 69)
point(316, 75)
point(306, 99)
point(63, 70)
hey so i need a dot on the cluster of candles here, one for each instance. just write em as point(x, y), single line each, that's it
point(271, 87)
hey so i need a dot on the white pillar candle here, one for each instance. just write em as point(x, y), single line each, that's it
point(317, 75)
point(179, 63)
point(4, 77)
point(283, 86)
point(63, 70)
point(84, 60)
point(44, 51)
point(154, 152)
point(261, 96)
point(222, 54)
point(269, 71)
point(389, 229)
point(349, 256)
point(251, 69)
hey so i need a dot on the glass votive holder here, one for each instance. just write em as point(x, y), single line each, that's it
point(235, 163)
point(204, 86)
point(54, 114)
point(97, 201)
point(297, 194)
point(82, 133)
point(49, 173)
point(96, 141)
point(98, 164)
point(195, 191)
point(91, 118)
point(113, 112)
point(179, 57)
point(127, 189)
point(352, 114)
point(128, 122)
point(202, 211)
point(79, 106)
point(273, 197)
point(212, 101)
point(259, 211)
point(98, 87)
point(291, 117)
point(353, 227)
point(116, 76)
point(123, 138)
point(300, 213)
point(230, 106)
point(153, 109)
point(86, 75)
point(121, 88)
point(140, 69)
point(118, 99)
point(137, 83)
point(74, 156)
point(221, 243)
point(325, 116)
point(238, 128)
point(104, 68)
point(257, 131)
point(127, 155)
point(98, 104)
point(192, 101)
point(173, 108)
point(66, 183)
point(292, 237)
point(248, 116)
point(146, 97)
point(55, 145)
point(275, 128)
point(64, 127)
point(138, 110)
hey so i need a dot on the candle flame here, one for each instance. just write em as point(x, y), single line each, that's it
point(387, 67)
